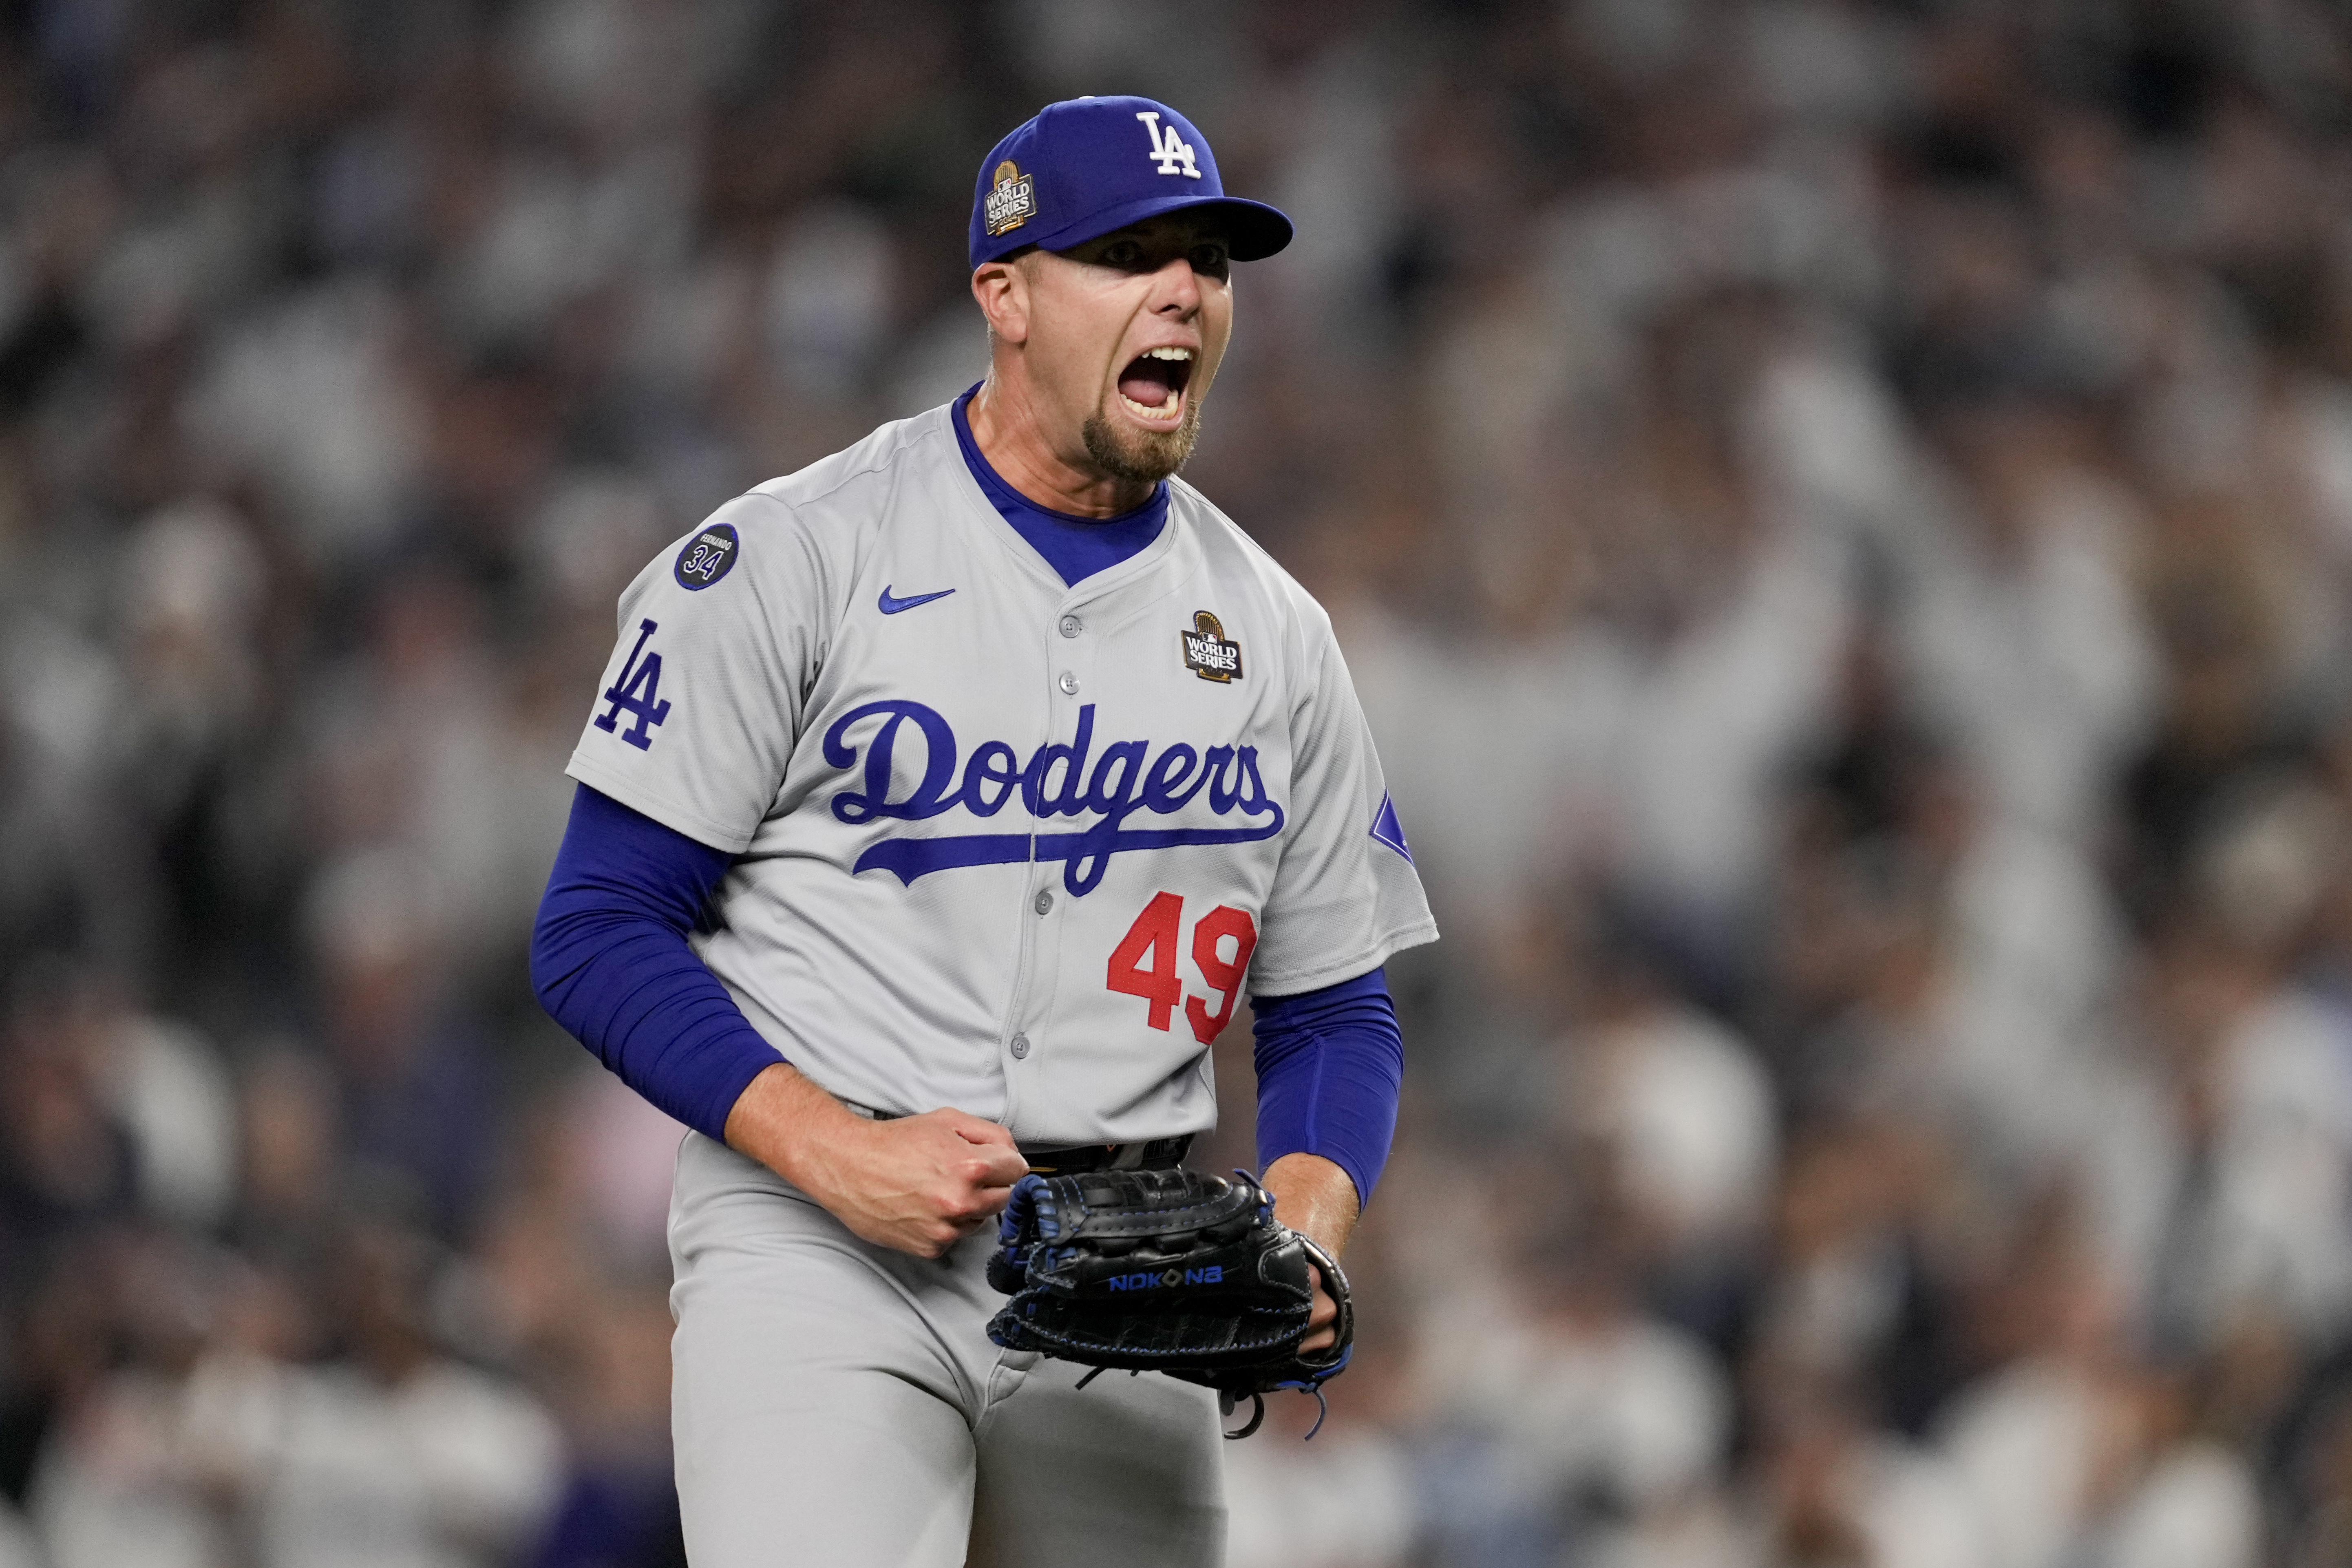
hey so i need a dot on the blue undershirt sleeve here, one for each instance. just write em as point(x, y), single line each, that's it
point(1330, 1065)
point(610, 962)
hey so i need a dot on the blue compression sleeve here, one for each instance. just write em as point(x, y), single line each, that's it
point(610, 962)
point(1330, 1063)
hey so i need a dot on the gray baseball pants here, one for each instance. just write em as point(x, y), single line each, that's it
point(837, 1402)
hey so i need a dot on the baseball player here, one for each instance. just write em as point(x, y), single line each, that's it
point(938, 804)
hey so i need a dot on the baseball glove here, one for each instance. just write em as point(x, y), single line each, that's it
point(1166, 1271)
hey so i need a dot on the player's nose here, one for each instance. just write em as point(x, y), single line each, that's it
point(1175, 289)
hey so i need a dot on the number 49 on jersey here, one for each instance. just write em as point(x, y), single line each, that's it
point(1144, 964)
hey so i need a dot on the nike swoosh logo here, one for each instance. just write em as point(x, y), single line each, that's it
point(891, 607)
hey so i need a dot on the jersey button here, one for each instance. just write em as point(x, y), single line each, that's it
point(1044, 900)
point(1020, 1047)
point(1069, 684)
point(1072, 626)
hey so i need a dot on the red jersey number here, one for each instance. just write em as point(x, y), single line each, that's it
point(1144, 964)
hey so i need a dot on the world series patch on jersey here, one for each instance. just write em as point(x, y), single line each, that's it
point(1001, 844)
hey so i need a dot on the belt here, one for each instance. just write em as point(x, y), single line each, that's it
point(1158, 1155)
point(1077, 1159)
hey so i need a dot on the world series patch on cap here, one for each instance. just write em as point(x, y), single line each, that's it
point(1086, 166)
point(1012, 200)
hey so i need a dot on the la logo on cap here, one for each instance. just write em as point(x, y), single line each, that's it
point(1012, 199)
point(1172, 152)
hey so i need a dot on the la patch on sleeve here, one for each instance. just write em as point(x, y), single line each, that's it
point(707, 557)
point(638, 692)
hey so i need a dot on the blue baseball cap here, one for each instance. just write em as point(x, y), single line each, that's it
point(1086, 166)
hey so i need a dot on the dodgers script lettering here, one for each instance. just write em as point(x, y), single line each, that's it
point(1127, 777)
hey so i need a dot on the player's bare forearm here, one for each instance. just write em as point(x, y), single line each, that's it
point(1316, 1198)
point(916, 1183)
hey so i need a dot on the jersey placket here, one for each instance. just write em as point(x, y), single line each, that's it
point(1076, 680)
point(1069, 669)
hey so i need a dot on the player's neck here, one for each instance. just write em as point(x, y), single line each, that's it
point(1007, 429)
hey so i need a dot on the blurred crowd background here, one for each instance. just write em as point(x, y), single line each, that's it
point(1840, 513)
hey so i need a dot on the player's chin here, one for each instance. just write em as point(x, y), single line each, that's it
point(1135, 448)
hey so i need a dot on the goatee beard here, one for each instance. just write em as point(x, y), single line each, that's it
point(1141, 456)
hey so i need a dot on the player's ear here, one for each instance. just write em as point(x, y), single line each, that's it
point(1002, 286)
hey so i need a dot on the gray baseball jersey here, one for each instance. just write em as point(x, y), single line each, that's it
point(1001, 844)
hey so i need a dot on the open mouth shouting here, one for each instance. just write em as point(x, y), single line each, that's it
point(1153, 385)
